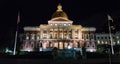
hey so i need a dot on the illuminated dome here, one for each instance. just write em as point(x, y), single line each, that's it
point(59, 13)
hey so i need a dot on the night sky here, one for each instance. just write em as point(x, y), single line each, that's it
point(87, 13)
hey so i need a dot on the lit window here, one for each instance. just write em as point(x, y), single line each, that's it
point(66, 44)
point(27, 37)
point(114, 42)
point(60, 45)
point(118, 41)
point(64, 24)
point(44, 35)
point(55, 24)
point(69, 24)
point(69, 47)
point(33, 37)
point(44, 45)
point(38, 37)
point(56, 44)
point(98, 42)
point(102, 42)
point(51, 24)
point(117, 37)
point(106, 42)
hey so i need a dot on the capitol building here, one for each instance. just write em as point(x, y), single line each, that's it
point(60, 33)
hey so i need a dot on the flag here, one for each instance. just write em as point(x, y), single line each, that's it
point(18, 18)
point(110, 18)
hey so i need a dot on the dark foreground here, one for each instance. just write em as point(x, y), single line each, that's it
point(50, 60)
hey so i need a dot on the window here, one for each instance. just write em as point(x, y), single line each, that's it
point(64, 24)
point(102, 42)
point(98, 38)
point(82, 36)
point(55, 24)
point(114, 43)
point(26, 44)
point(88, 44)
point(76, 34)
point(44, 34)
point(101, 37)
point(33, 36)
point(98, 42)
point(32, 43)
point(27, 37)
point(51, 24)
point(69, 24)
point(93, 44)
point(91, 36)
point(87, 36)
point(117, 37)
point(105, 37)
point(38, 37)
point(118, 41)
point(50, 35)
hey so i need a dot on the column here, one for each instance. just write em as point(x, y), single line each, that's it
point(47, 34)
point(73, 34)
point(53, 34)
point(67, 34)
point(79, 34)
point(93, 34)
point(41, 36)
point(27, 37)
point(58, 33)
point(63, 33)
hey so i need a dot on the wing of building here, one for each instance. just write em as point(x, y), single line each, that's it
point(60, 33)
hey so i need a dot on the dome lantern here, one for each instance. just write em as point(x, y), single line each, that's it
point(59, 8)
point(59, 12)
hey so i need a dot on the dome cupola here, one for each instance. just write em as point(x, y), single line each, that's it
point(59, 13)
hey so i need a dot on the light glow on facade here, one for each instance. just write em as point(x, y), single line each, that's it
point(60, 33)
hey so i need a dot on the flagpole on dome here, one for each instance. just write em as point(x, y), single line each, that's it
point(16, 33)
point(111, 39)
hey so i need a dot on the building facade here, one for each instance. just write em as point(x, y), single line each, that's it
point(104, 38)
point(60, 33)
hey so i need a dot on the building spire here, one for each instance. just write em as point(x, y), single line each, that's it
point(59, 7)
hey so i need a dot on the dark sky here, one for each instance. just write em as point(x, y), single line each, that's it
point(91, 13)
point(34, 12)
